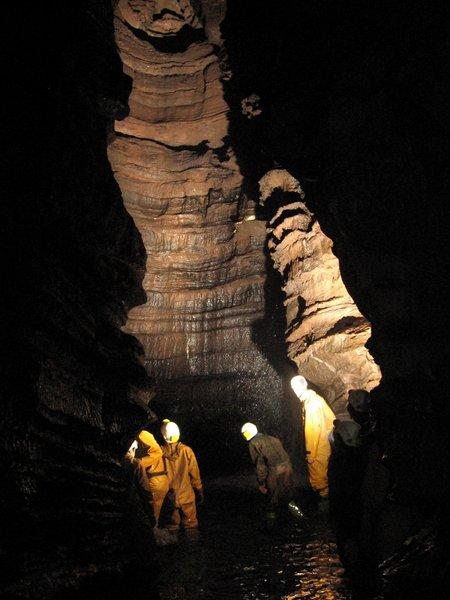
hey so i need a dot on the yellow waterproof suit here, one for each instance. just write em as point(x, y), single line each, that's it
point(184, 479)
point(318, 424)
point(151, 456)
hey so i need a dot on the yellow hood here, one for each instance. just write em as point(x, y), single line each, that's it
point(148, 439)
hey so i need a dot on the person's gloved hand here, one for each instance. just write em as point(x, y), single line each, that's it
point(263, 489)
point(199, 496)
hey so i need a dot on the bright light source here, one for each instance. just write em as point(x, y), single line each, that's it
point(132, 449)
point(249, 431)
point(299, 385)
point(170, 431)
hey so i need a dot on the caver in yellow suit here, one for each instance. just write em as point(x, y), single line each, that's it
point(151, 456)
point(318, 421)
point(184, 477)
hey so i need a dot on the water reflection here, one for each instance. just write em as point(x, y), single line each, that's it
point(239, 557)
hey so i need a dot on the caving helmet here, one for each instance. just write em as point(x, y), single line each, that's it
point(249, 431)
point(170, 431)
point(299, 385)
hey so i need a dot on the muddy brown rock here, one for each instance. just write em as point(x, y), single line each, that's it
point(180, 181)
point(325, 332)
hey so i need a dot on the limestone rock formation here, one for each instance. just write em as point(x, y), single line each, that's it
point(180, 181)
point(325, 331)
point(159, 18)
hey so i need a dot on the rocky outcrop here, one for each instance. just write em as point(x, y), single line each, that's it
point(160, 18)
point(205, 273)
point(74, 390)
point(325, 331)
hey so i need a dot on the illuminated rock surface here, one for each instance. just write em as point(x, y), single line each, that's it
point(325, 331)
point(206, 267)
point(349, 99)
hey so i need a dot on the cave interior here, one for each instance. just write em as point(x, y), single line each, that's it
point(209, 197)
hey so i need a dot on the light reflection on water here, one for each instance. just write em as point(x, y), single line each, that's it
point(237, 557)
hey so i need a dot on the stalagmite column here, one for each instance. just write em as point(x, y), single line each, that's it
point(325, 331)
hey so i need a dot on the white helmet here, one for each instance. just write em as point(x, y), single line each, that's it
point(299, 385)
point(170, 431)
point(249, 431)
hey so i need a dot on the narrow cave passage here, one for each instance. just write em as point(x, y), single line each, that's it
point(219, 195)
point(243, 292)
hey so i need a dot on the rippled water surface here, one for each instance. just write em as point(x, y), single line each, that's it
point(237, 556)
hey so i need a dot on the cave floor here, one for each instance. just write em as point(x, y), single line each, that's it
point(238, 557)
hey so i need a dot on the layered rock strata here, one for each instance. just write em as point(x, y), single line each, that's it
point(180, 181)
point(326, 333)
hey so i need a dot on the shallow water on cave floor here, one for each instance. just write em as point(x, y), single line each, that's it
point(238, 557)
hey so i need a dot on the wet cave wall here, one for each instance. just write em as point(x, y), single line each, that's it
point(216, 359)
point(74, 389)
point(351, 102)
point(325, 331)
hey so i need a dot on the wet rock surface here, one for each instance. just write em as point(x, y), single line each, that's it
point(326, 332)
point(238, 556)
point(73, 388)
point(205, 277)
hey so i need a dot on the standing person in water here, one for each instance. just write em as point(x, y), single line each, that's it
point(273, 470)
point(184, 478)
point(138, 477)
point(151, 457)
point(318, 423)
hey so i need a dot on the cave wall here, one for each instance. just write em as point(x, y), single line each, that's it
point(352, 105)
point(385, 200)
point(74, 390)
point(206, 268)
point(325, 332)
point(388, 138)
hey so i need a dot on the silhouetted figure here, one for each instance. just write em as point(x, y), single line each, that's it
point(358, 483)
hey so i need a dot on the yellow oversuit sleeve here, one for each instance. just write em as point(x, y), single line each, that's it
point(194, 471)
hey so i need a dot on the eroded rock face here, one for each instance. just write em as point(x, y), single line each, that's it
point(74, 391)
point(205, 272)
point(325, 331)
point(160, 18)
